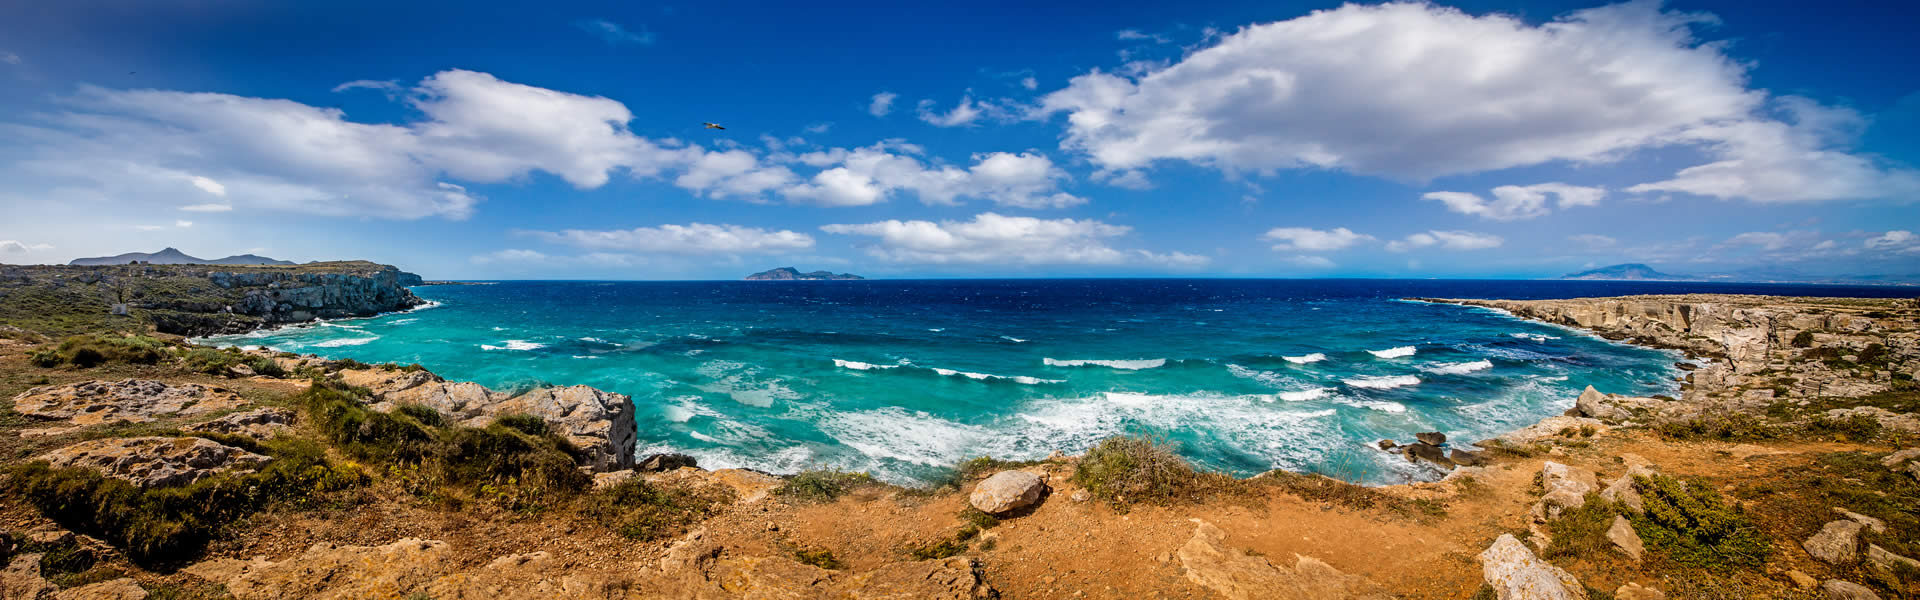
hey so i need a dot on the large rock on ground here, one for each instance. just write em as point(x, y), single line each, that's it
point(1427, 452)
point(1550, 428)
point(155, 461)
point(1515, 573)
point(1625, 539)
point(598, 423)
point(1902, 422)
point(1881, 559)
point(1007, 491)
point(1236, 575)
point(260, 423)
point(133, 400)
point(1846, 590)
point(1635, 591)
point(21, 579)
point(1837, 543)
point(1566, 488)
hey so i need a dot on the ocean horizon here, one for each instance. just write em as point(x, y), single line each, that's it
point(904, 378)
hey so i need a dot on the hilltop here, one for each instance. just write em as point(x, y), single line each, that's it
point(1627, 272)
point(792, 274)
point(172, 256)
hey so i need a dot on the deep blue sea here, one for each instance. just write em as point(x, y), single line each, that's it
point(906, 378)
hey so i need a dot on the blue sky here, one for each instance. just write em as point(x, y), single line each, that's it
point(565, 140)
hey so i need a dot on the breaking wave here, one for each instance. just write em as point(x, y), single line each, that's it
point(1460, 368)
point(521, 345)
point(1130, 365)
point(1398, 352)
point(1384, 382)
point(1308, 359)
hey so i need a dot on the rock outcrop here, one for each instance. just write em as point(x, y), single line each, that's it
point(1515, 573)
point(260, 423)
point(155, 461)
point(1566, 488)
point(1846, 590)
point(199, 300)
point(1838, 542)
point(1236, 575)
point(598, 423)
point(1625, 539)
point(1007, 491)
point(132, 401)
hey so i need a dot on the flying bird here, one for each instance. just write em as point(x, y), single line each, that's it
point(713, 126)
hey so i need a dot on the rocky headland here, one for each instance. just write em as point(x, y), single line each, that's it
point(196, 300)
point(1787, 468)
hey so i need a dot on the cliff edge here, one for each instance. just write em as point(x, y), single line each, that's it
point(197, 300)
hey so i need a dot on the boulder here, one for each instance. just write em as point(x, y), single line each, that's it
point(1635, 591)
point(609, 479)
point(1625, 539)
point(260, 423)
point(1515, 573)
point(1880, 558)
point(598, 423)
point(1837, 543)
point(1872, 524)
point(1846, 590)
point(1007, 491)
point(1431, 438)
point(1426, 452)
point(1802, 580)
point(155, 461)
point(1902, 422)
point(1898, 459)
point(1388, 444)
point(1566, 488)
point(1592, 403)
point(132, 400)
point(1236, 575)
point(22, 581)
point(1466, 458)
point(665, 462)
point(1549, 429)
point(1622, 490)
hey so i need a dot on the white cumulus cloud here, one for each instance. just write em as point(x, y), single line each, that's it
point(692, 238)
point(963, 114)
point(992, 238)
point(1414, 91)
point(1446, 240)
point(17, 247)
point(881, 104)
point(1313, 240)
point(1516, 202)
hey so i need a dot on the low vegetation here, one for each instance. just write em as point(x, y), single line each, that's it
point(1582, 531)
point(1320, 488)
point(1128, 470)
point(90, 350)
point(823, 485)
point(645, 511)
point(1691, 524)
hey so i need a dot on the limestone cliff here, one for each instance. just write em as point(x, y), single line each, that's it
point(196, 300)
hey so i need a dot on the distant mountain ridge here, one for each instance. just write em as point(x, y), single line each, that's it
point(1641, 272)
point(171, 256)
point(792, 274)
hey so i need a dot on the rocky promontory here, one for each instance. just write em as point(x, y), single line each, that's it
point(792, 274)
point(197, 300)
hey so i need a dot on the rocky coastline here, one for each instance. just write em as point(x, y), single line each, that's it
point(199, 300)
point(1573, 504)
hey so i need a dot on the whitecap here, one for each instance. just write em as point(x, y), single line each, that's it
point(1384, 382)
point(588, 357)
point(859, 366)
point(593, 339)
point(1535, 337)
point(1305, 395)
point(1459, 368)
point(984, 376)
point(1397, 352)
point(402, 321)
point(910, 436)
point(521, 345)
point(1013, 339)
point(1310, 358)
point(1131, 365)
point(344, 342)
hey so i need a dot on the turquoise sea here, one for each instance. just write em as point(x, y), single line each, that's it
point(906, 378)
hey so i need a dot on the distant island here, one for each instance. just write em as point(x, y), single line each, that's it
point(1641, 272)
point(792, 274)
point(172, 256)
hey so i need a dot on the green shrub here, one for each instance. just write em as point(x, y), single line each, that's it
point(169, 524)
point(1855, 428)
point(519, 471)
point(1582, 531)
point(220, 361)
point(820, 558)
point(1691, 524)
point(1732, 426)
point(1803, 339)
point(1874, 355)
point(1125, 470)
point(822, 485)
point(361, 432)
point(91, 350)
point(644, 511)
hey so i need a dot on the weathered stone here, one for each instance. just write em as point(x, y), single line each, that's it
point(1236, 575)
point(1566, 488)
point(1872, 524)
point(1846, 590)
point(123, 588)
point(1897, 459)
point(598, 423)
point(1388, 444)
point(155, 461)
point(132, 400)
point(327, 571)
point(1466, 458)
point(22, 581)
point(1426, 452)
point(1550, 428)
point(1837, 543)
point(1594, 404)
point(665, 462)
point(260, 423)
point(1880, 558)
point(1007, 491)
point(1431, 438)
point(1625, 539)
point(1515, 573)
point(1635, 591)
point(609, 479)
point(1888, 419)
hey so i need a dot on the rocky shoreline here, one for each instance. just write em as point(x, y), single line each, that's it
point(200, 300)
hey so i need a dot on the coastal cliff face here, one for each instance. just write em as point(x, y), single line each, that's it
point(1763, 349)
point(197, 300)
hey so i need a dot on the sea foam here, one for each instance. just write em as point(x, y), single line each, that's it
point(1398, 352)
point(1308, 359)
point(984, 377)
point(1305, 395)
point(345, 342)
point(859, 366)
point(1385, 382)
point(522, 345)
point(1459, 368)
point(1131, 365)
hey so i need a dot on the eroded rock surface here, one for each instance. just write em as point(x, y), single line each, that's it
point(598, 423)
point(1007, 491)
point(1236, 575)
point(132, 400)
point(155, 461)
point(1515, 573)
point(260, 423)
point(1837, 543)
